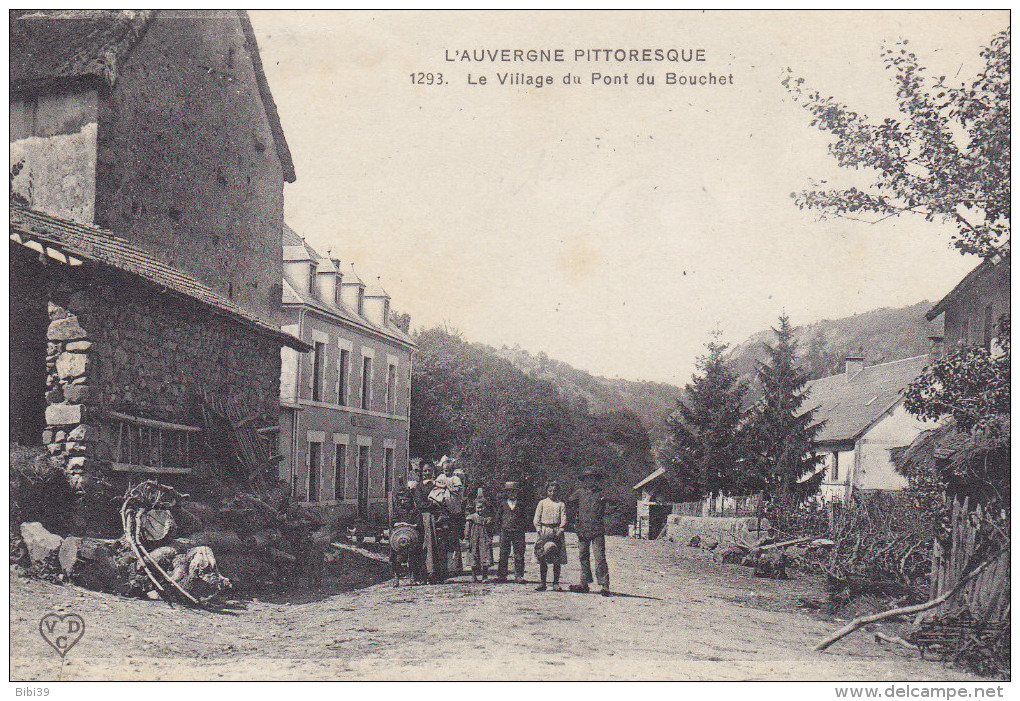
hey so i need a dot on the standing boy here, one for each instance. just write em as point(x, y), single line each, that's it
point(591, 531)
point(512, 523)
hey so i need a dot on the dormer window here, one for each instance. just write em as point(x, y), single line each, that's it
point(361, 301)
point(311, 279)
point(336, 292)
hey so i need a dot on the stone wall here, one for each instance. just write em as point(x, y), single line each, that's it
point(724, 530)
point(117, 343)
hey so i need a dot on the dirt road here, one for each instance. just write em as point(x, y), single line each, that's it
point(678, 615)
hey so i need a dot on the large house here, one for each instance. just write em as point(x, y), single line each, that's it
point(147, 173)
point(865, 420)
point(346, 405)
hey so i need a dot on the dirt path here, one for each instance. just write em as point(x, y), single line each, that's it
point(678, 616)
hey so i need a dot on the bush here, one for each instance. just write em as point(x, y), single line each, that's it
point(40, 491)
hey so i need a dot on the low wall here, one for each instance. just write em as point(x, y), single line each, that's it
point(725, 530)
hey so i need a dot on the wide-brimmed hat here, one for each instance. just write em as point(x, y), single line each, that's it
point(591, 472)
point(549, 548)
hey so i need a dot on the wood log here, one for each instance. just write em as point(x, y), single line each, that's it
point(155, 525)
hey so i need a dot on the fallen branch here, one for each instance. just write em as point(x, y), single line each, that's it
point(141, 560)
point(916, 608)
point(784, 544)
point(895, 639)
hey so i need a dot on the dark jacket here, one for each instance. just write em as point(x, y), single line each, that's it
point(410, 515)
point(591, 512)
point(512, 519)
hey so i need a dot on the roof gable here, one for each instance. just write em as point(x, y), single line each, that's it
point(849, 407)
point(54, 50)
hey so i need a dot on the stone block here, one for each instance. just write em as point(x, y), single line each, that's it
point(78, 346)
point(55, 396)
point(64, 414)
point(65, 329)
point(84, 432)
point(55, 311)
point(78, 393)
point(76, 464)
point(71, 365)
point(40, 543)
point(47, 437)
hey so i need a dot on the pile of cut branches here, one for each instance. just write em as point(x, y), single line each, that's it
point(882, 545)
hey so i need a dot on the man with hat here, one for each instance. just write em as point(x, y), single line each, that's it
point(591, 531)
point(512, 522)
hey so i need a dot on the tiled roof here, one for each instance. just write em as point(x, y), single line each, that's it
point(294, 296)
point(52, 49)
point(376, 290)
point(850, 406)
point(351, 277)
point(90, 243)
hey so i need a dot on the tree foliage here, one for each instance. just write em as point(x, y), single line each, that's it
point(705, 436)
point(970, 387)
point(781, 434)
point(946, 156)
point(971, 384)
point(505, 424)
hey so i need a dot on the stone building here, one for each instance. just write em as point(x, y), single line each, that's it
point(147, 173)
point(346, 404)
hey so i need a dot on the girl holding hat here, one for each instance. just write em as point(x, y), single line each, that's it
point(551, 547)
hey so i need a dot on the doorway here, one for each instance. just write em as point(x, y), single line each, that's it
point(363, 467)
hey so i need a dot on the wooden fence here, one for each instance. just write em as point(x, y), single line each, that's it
point(987, 596)
point(719, 505)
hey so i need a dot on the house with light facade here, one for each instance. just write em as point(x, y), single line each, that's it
point(864, 423)
point(345, 406)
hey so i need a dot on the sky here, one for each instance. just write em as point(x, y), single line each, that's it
point(611, 226)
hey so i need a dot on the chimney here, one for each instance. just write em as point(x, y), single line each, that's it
point(854, 365)
point(937, 348)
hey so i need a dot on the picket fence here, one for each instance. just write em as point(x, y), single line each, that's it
point(986, 597)
point(720, 505)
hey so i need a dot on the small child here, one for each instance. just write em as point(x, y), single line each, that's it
point(406, 539)
point(479, 538)
point(550, 548)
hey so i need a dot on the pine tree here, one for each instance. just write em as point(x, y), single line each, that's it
point(781, 434)
point(705, 439)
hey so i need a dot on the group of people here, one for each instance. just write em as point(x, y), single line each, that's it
point(432, 514)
